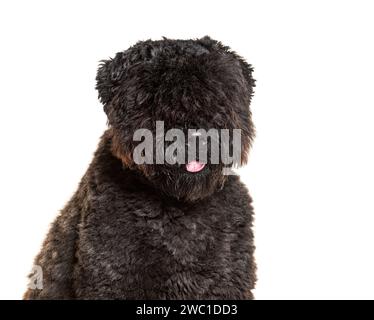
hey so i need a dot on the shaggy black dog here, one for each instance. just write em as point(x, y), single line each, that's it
point(158, 231)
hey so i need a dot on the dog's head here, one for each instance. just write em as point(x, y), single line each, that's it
point(156, 86)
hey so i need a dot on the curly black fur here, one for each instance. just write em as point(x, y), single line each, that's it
point(155, 231)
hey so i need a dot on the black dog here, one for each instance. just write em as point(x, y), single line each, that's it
point(158, 231)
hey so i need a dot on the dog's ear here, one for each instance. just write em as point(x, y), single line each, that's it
point(108, 76)
point(247, 71)
point(246, 68)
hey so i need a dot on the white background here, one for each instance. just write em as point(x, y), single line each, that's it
point(311, 169)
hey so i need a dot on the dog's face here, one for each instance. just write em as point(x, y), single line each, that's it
point(186, 84)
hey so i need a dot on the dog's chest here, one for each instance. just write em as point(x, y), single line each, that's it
point(145, 245)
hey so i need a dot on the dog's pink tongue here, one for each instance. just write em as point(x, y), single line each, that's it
point(195, 166)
